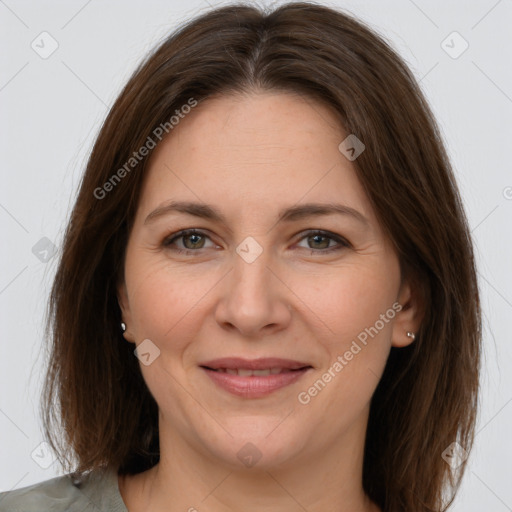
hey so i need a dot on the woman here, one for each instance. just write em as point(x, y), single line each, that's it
point(267, 294)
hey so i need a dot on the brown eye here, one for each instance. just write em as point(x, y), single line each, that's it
point(324, 242)
point(193, 241)
point(319, 241)
point(188, 240)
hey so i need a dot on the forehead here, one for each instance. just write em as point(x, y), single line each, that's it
point(260, 122)
point(272, 148)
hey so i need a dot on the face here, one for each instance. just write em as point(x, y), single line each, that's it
point(254, 240)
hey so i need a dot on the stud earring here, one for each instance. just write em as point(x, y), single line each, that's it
point(411, 335)
point(123, 326)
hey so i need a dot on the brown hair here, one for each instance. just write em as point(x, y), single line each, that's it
point(94, 394)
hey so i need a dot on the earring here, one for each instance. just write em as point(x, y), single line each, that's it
point(411, 335)
point(123, 326)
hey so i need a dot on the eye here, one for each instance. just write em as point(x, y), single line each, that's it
point(324, 242)
point(188, 240)
point(192, 240)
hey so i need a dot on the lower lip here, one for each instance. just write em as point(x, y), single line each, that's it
point(254, 386)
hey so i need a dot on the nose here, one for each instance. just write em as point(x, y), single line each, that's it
point(253, 298)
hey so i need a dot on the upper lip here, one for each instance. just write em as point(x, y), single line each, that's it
point(253, 364)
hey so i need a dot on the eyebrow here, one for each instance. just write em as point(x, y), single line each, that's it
point(294, 213)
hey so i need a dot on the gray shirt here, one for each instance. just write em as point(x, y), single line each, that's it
point(98, 491)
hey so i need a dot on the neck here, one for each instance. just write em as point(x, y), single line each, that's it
point(187, 480)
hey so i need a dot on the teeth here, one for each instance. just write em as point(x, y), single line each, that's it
point(261, 373)
point(242, 372)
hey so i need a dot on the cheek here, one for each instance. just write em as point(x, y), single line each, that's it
point(165, 303)
point(355, 338)
point(356, 345)
point(347, 300)
point(163, 298)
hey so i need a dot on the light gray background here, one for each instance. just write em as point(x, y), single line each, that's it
point(51, 110)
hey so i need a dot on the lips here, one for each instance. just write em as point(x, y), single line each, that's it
point(254, 378)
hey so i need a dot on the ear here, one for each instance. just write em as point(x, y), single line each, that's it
point(409, 317)
point(124, 305)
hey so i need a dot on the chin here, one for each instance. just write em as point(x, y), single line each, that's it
point(254, 442)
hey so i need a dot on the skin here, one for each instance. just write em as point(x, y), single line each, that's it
point(250, 157)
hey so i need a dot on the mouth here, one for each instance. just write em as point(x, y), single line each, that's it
point(254, 378)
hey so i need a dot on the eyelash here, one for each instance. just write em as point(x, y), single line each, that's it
point(342, 243)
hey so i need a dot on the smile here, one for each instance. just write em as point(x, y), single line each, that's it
point(254, 378)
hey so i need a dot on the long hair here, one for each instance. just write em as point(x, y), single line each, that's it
point(97, 409)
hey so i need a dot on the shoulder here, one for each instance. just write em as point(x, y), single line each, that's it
point(93, 492)
point(57, 494)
